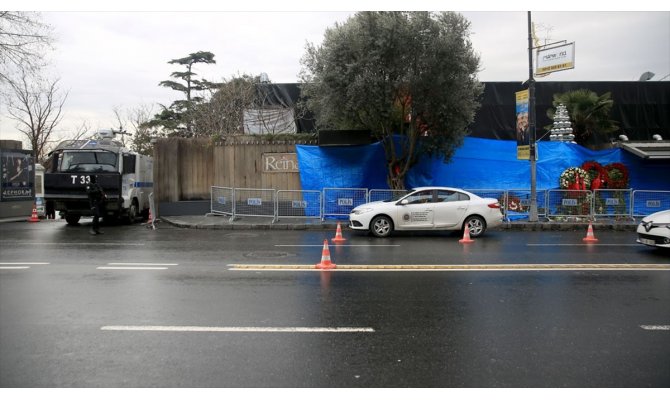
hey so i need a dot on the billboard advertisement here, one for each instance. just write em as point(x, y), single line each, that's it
point(556, 58)
point(18, 175)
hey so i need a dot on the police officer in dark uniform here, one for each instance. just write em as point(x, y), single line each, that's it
point(96, 198)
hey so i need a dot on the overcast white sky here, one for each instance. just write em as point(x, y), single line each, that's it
point(115, 59)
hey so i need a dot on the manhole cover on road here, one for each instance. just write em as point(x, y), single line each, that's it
point(267, 254)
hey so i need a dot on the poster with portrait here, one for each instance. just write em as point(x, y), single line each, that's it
point(18, 175)
point(522, 131)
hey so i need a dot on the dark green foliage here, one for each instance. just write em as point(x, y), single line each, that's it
point(178, 119)
point(407, 73)
point(589, 113)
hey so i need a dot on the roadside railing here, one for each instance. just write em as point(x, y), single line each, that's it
point(254, 203)
point(222, 201)
point(298, 204)
point(337, 203)
point(617, 203)
point(569, 203)
point(647, 202)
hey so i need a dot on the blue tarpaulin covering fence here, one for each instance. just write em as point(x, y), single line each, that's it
point(477, 164)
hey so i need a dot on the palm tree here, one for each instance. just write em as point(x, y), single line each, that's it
point(589, 113)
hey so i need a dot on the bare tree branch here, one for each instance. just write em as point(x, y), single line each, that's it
point(24, 40)
point(37, 107)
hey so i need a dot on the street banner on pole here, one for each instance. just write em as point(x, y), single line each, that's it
point(555, 58)
point(522, 133)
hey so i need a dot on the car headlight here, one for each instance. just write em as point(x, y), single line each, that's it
point(359, 211)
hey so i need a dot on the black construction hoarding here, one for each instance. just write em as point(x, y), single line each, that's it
point(640, 108)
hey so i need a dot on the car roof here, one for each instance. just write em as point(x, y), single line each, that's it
point(437, 187)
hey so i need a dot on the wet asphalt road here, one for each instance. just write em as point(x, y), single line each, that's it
point(65, 323)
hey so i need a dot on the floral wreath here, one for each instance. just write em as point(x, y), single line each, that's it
point(593, 168)
point(569, 178)
point(617, 176)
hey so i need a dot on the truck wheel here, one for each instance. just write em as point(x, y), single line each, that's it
point(132, 212)
point(72, 219)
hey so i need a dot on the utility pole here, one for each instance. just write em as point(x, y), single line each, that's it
point(532, 216)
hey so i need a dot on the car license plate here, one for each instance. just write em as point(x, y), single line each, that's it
point(647, 241)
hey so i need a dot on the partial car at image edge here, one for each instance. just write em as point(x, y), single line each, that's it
point(654, 230)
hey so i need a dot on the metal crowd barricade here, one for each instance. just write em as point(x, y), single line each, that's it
point(222, 201)
point(298, 204)
point(517, 204)
point(338, 202)
point(500, 195)
point(647, 202)
point(569, 203)
point(384, 194)
point(612, 203)
point(152, 212)
point(254, 202)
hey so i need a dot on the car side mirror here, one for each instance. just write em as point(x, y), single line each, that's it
point(403, 202)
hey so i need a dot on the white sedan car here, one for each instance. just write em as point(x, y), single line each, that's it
point(428, 208)
point(654, 230)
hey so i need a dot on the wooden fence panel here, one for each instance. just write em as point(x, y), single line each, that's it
point(185, 169)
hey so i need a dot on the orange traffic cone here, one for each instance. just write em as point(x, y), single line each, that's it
point(589, 235)
point(338, 235)
point(34, 217)
point(325, 258)
point(466, 236)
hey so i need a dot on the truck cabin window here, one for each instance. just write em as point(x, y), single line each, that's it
point(87, 161)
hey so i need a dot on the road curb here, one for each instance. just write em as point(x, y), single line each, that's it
point(225, 224)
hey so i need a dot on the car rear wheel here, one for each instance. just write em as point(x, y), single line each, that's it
point(476, 225)
point(381, 226)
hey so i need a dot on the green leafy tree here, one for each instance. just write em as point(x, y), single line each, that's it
point(589, 114)
point(178, 119)
point(406, 73)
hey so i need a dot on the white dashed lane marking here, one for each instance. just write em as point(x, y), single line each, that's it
point(20, 265)
point(138, 266)
point(655, 327)
point(245, 329)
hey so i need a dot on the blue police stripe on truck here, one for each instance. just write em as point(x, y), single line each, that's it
point(143, 184)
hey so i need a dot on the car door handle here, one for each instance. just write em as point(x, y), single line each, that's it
point(461, 208)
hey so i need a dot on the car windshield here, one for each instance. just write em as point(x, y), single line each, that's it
point(87, 161)
point(395, 197)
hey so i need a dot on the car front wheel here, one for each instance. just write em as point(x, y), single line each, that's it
point(381, 226)
point(476, 225)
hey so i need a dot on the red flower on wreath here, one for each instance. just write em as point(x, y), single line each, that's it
point(617, 176)
point(597, 173)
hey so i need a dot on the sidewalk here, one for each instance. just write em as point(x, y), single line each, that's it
point(265, 223)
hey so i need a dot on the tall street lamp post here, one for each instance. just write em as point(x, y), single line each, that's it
point(532, 216)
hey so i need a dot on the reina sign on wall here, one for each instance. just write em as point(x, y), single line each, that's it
point(280, 162)
point(556, 58)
